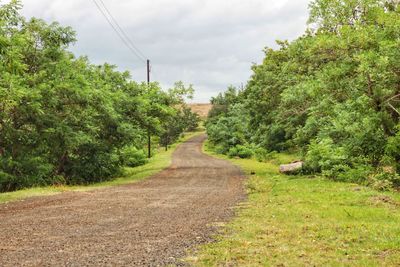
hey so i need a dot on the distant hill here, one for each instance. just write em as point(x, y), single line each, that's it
point(201, 109)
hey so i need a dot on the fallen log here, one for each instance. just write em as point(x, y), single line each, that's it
point(291, 168)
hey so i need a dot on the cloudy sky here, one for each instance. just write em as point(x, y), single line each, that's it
point(208, 43)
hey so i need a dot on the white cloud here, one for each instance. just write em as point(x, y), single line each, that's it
point(210, 43)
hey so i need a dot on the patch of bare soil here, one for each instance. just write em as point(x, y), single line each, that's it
point(150, 223)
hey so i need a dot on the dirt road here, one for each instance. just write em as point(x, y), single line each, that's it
point(150, 223)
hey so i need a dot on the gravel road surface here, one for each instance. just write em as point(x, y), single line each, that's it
point(149, 223)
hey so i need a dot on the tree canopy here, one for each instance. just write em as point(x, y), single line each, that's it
point(333, 94)
point(65, 120)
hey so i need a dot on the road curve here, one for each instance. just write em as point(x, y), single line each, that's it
point(149, 223)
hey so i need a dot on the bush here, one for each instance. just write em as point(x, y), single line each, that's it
point(233, 152)
point(132, 157)
point(324, 156)
point(263, 155)
point(241, 152)
point(334, 162)
point(8, 182)
point(220, 149)
point(357, 174)
point(228, 131)
point(392, 150)
point(93, 163)
point(26, 171)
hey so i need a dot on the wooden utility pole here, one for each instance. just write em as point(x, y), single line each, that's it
point(148, 71)
point(148, 129)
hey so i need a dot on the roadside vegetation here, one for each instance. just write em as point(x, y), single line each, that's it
point(332, 96)
point(65, 121)
point(161, 160)
point(305, 221)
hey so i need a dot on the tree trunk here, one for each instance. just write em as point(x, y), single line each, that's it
point(148, 144)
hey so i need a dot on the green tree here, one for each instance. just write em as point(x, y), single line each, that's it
point(65, 120)
point(333, 93)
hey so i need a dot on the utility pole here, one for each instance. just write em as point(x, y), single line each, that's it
point(148, 71)
point(148, 129)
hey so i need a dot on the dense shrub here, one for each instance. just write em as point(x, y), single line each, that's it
point(324, 155)
point(132, 157)
point(392, 151)
point(261, 154)
point(228, 130)
point(37, 171)
point(240, 151)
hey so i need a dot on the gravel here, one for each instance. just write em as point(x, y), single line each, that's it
point(150, 223)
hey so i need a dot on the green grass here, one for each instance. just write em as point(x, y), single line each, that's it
point(305, 221)
point(159, 162)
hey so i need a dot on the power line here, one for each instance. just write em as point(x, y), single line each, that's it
point(118, 33)
point(122, 31)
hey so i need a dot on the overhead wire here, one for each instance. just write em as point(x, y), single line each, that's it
point(122, 31)
point(139, 54)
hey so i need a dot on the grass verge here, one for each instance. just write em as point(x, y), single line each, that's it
point(159, 162)
point(306, 221)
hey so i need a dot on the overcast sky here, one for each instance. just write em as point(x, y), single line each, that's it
point(208, 43)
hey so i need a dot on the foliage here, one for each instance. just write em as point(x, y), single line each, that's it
point(158, 162)
point(240, 151)
point(183, 119)
point(65, 120)
point(333, 93)
point(226, 123)
point(133, 157)
point(392, 150)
